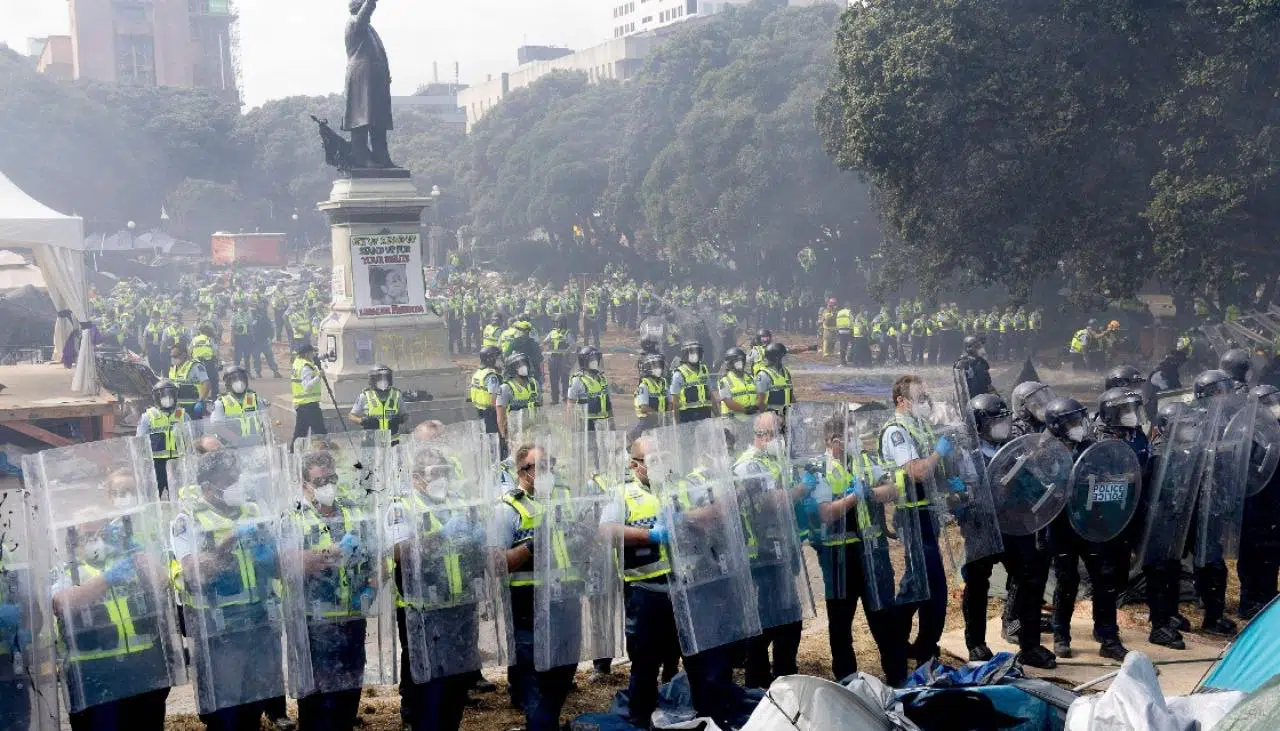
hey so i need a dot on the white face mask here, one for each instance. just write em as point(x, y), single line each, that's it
point(694, 358)
point(922, 411)
point(438, 490)
point(239, 387)
point(326, 494)
point(775, 448)
point(1076, 433)
point(655, 372)
point(382, 384)
point(95, 551)
point(1275, 410)
point(167, 402)
point(1129, 419)
point(593, 365)
point(739, 365)
point(523, 371)
point(234, 496)
point(1000, 431)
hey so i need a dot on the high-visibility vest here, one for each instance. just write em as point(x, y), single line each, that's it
point(202, 347)
point(756, 357)
point(557, 342)
point(348, 582)
point(657, 395)
point(164, 440)
point(524, 396)
point(780, 392)
point(742, 390)
point(91, 642)
point(480, 395)
point(451, 573)
point(694, 394)
point(923, 438)
point(840, 478)
point(597, 401)
point(641, 563)
point(383, 410)
point(774, 469)
point(217, 528)
point(1078, 340)
point(531, 514)
point(234, 408)
point(489, 336)
point(844, 319)
point(188, 390)
point(507, 337)
point(301, 395)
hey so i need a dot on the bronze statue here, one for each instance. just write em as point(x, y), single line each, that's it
point(368, 114)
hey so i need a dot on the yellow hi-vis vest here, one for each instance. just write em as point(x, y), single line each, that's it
point(164, 440)
point(524, 397)
point(597, 401)
point(350, 581)
point(217, 528)
point(234, 408)
point(642, 563)
point(531, 514)
point(779, 393)
point(383, 410)
point(301, 395)
point(774, 469)
point(1078, 340)
point(87, 643)
point(657, 395)
point(202, 347)
point(742, 390)
point(694, 394)
point(480, 395)
point(188, 390)
point(924, 440)
point(844, 319)
point(840, 478)
point(452, 574)
point(489, 336)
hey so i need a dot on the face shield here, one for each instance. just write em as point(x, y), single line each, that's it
point(1037, 401)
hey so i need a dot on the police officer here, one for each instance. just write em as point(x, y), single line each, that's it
point(854, 480)
point(737, 388)
point(378, 407)
point(1029, 401)
point(974, 368)
point(1120, 412)
point(519, 392)
point(589, 388)
point(492, 330)
point(1022, 558)
point(1106, 562)
point(556, 345)
point(485, 384)
point(1164, 576)
point(773, 380)
point(1211, 578)
point(1259, 562)
point(160, 424)
point(189, 375)
point(204, 348)
point(305, 382)
point(1237, 363)
point(239, 402)
point(844, 331)
point(906, 441)
point(651, 390)
point(692, 398)
point(755, 357)
point(541, 695)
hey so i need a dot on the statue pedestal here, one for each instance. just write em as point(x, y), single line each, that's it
point(379, 310)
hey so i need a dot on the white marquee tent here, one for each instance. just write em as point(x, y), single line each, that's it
point(58, 244)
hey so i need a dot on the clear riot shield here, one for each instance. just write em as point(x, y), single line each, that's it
point(577, 596)
point(457, 618)
point(1225, 478)
point(1174, 491)
point(111, 605)
point(1106, 484)
point(962, 502)
point(762, 475)
point(808, 424)
point(892, 539)
point(1029, 480)
point(712, 594)
point(252, 429)
point(334, 560)
point(1265, 454)
point(28, 682)
point(226, 566)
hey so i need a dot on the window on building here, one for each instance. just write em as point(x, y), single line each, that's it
point(131, 15)
point(647, 19)
point(692, 6)
point(136, 60)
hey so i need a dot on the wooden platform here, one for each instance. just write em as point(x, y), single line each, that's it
point(36, 397)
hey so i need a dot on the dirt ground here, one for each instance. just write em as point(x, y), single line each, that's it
point(489, 712)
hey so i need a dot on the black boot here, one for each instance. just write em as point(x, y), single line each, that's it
point(1113, 650)
point(980, 653)
point(1038, 657)
point(1220, 627)
point(1167, 637)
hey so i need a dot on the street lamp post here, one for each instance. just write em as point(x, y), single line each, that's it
point(434, 235)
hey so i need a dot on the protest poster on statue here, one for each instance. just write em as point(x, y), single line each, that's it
point(386, 274)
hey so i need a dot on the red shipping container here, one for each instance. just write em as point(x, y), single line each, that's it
point(249, 249)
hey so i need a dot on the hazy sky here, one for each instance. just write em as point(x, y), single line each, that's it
point(293, 47)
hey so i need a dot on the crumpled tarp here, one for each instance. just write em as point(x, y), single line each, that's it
point(990, 695)
point(1134, 702)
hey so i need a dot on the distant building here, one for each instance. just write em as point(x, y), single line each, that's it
point(629, 17)
point(438, 98)
point(53, 56)
point(529, 54)
point(183, 43)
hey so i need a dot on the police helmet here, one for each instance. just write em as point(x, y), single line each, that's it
point(489, 355)
point(1092, 322)
point(1123, 375)
point(1236, 363)
point(775, 352)
point(514, 360)
point(588, 355)
point(377, 375)
point(234, 372)
point(764, 336)
point(989, 410)
point(649, 344)
point(972, 344)
point(1268, 398)
point(495, 319)
point(1063, 416)
point(558, 322)
point(165, 394)
point(303, 347)
point(650, 362)
point(1169, 412)
point(1213, 383)
point(691, 351)
point(1030, 399)
point(736, 358)
point(1120, 407)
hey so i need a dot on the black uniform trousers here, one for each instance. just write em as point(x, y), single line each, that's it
point(1107, 564)
point(1259, 562)
point(308, 419)
point(654, 648)
point(1026, 565)
point(338, 660)
point(933, 611)
point(143, 712)
point(557, 377)
point(844, 339)
point(437, 705)
point(844, 577)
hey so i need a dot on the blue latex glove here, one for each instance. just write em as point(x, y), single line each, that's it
point(944, 448)
point(121, 571)
point(851, 490)
point(365, 598)
point(10, 617)
point(810, 480)
point(659, 534)
point(264, 552)
point(245, 531)
point(957, 485)
point(349, 545)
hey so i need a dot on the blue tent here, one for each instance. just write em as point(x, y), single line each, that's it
point(1254, 657)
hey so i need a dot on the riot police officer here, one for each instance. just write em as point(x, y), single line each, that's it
point(974, 368)
point(1029, 400)
point(651, 390)
point(1259, 562)
point(692, 398)
point(737, 389)
point(1237, 363)
point(160, 424)
point(556, 345)
point(519, 392)
point(1164, 575)
point(239, 402)
point(486, 381)
point(379, 407)
point(773, 380)
point(589, 388)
